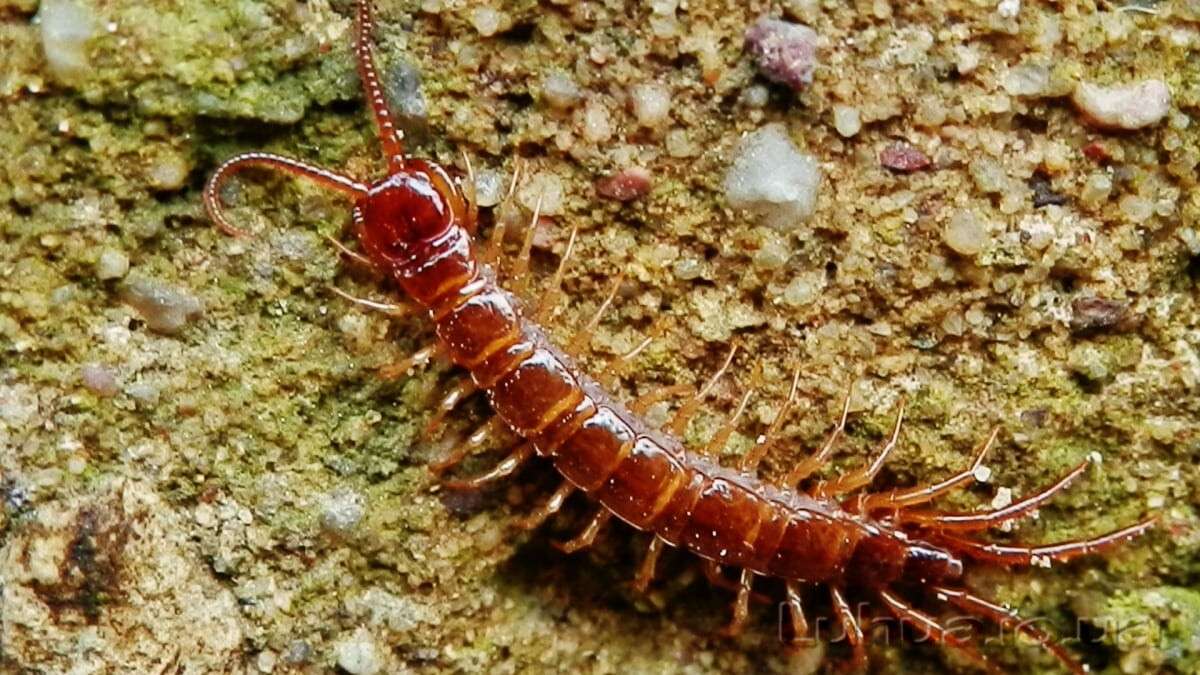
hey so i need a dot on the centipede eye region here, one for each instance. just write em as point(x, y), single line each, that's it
point(402, 210)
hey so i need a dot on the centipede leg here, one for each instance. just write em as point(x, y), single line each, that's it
point(579, 341)
point(717, 443)
point(495, 246)
point(645, 573)
point(588, 536)
point(679, 422)
point(898, 499)
point(507, 467)
point(418, 359)
point(765, 442)
point(394, 310)
point(813, 463)
point(741, 605)
point(853, 631)
point(795, 608)
point(1004, 618)
point(461, 391)
point(470, 193)
point(549, 508)
point(640, 405)
point(1025, 556)
point(611, 373)
point(520, 272)
point(933, 630)
point(550, 295)
point(862, 476)
point(974, 522)
point(488, 431)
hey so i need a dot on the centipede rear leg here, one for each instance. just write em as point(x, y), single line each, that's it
point(588, 535)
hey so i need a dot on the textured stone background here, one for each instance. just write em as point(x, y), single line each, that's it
point(202, 471)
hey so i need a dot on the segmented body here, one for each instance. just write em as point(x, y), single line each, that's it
point(416, 225)
point(646, 478)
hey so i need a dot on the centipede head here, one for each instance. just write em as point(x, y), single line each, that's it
point(414, 205)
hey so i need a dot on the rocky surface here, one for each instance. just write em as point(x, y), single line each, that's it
point(236, 490)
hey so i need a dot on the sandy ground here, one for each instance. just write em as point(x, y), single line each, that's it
point(202, 471)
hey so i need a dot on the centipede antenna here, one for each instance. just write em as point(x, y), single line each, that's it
point(1005, 618)
point(353, 255)
point(974, 522)
point(389, 136)
point(324, 177)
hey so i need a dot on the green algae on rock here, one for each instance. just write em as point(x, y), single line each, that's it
point(260, 424)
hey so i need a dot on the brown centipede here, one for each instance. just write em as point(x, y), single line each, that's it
point(416, 225)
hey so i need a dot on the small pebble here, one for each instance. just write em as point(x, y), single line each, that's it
point(966, 234)
point(358, 654)
point(847, 120)
point(784, 52)
point(488, 21)
point(165, 308)
point(1096, 151)
point(597, 122)
point(66, 26)
point(99, 380)
point(1130, 106)
point(1027, 80)
point(626, 185)
point(772, 178)
point(560, 92)
point(112, 264)
point(1093, 313)
point(342, 509)
point(489, 187)
point(651, 104)
point(546, 187)
point(168, 171)
point(903, 157)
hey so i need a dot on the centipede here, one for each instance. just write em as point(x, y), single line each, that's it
point(416, 226)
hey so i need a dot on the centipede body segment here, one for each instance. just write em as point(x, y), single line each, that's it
point(416, 226)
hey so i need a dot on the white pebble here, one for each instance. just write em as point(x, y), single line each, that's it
point(982, 474)
point(544, 188)
point(651, 104)
point(1131, 106)
point(488, 21)
point(1003, 498)
point(112, 264)
point(1027, 80)
point(847, 120)
point(773, 179)
point(489, 187)
point(342, 509)
point(1008, 9)
point(165, 308)
point(358, 654)
point(66, 26)
point(560, 91)
point(966, 234)
point(99, 379)
point(597, 122)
